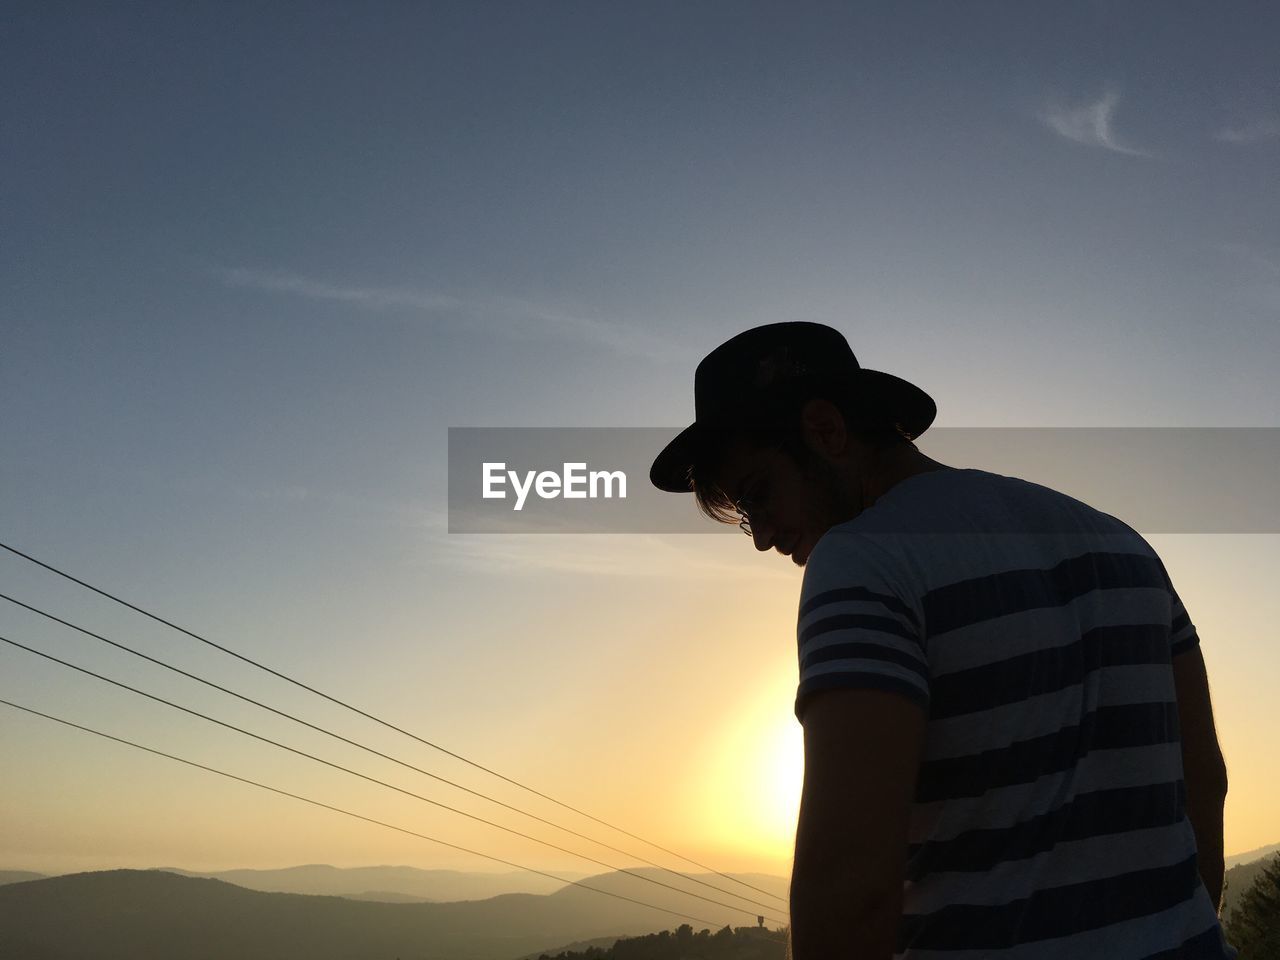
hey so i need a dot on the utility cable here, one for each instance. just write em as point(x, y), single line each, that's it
point(369, 716)
point(325, 806)
point(367, 749)
point(374, 780)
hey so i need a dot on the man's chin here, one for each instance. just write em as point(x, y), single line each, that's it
point(800, 555)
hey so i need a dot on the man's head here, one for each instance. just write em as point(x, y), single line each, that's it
point(788, 478)
point(792, 436)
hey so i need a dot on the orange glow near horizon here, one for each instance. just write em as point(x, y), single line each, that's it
point(752, 789)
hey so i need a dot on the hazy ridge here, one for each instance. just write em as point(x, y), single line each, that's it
point(1250, 856)
point(19, 876)
point(390, 883)
point(150, 915)
point(155, 914)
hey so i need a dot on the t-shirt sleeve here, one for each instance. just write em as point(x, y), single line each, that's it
point(859, 624)
point(1182, 632)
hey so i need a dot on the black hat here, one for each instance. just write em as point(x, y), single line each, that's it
point(745, 373)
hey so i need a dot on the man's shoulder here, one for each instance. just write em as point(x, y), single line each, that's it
point(968, 500)
point(957, 526)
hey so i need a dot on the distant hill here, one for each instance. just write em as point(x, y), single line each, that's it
point(154, 915)
point(385, 896)
point(1239, 879)
point(1249, 856)
point(19, 876)
point(400, 882)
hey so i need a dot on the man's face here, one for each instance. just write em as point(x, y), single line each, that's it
point(789, 505)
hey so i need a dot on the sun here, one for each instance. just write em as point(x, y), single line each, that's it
point(753, 787)
point(783, 762)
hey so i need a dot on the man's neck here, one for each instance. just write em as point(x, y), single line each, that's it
point(895, 465)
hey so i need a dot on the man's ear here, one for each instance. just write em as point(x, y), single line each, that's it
point(822, 425)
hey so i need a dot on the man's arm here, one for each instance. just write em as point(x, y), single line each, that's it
point(1203, 767)
point(862, 750)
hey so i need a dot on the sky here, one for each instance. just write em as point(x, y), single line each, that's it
point(258, 259)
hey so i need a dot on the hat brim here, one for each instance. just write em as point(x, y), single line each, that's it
point(670, 470)
point(899, 401)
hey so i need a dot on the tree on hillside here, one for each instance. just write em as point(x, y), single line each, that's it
point(744, 943)
point(1254, 924)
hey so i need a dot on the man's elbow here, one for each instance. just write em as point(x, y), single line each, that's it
point(1206, 777)
point(817, 894)
point(813, 876)
point(845, 870)
point(847, 888)
point(1218, 784)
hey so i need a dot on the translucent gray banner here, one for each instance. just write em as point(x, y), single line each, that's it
point(596, 479)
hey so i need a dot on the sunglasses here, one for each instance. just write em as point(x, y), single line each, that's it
point(750, 507)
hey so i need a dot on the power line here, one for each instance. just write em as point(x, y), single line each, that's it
point(357, 816)
point(369, 716)
point(363, 776)
point(368, 749)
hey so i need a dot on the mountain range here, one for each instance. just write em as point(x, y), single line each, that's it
point(386, 883)
point(320, 912)
point(153, 914)
point(1250, 856)
point(389, 884)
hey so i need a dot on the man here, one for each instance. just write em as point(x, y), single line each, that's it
point(1009, 743)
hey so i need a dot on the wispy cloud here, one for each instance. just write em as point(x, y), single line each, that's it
point(594, 555)
point(1252, 131)
point(509, 316)
point(1089, 124)
point(373, 297)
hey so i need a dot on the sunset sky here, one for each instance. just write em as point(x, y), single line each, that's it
point(258, 261)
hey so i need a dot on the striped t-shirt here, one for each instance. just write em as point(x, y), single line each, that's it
point(1049, 818)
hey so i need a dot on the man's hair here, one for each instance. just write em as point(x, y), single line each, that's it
point(776, 422)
